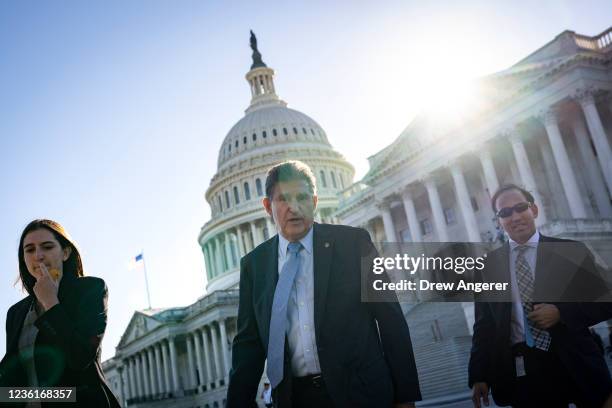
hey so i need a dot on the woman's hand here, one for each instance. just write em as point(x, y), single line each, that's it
point(46, 288)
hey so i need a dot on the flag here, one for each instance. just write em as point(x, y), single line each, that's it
point(136, 263)
point(138, 257)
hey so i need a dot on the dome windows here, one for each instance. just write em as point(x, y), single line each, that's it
point(274, 132)
point(264, 134)
point(247, 191)
point(236, 196)
point(254, 136)
point(227, 200)
point(285, 131)
point(304, 131)
point(219, 203)
point(323, 179)
point(295, 130)
point(312, 131)
point(333, 179)
point(244, 140)
point(236, 144)
point(258, 187)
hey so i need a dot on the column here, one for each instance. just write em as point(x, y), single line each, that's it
point(596, 184)
point(411, 216)
point(215, 345)
point(152, 370)
point(197, 340)
point(254, 233)
point(488, 170)
point(207, 259)
point(568, 178)
point(241, 248)
point(387, 218)
point(190, 362)
point(175, 379)
point(271, 227)
point(210, 377)
point(122, 394)
point(598, 134)
point(139, 383)
point(228, 251)
point(219, 255)
point(160, 369)
point(126, 372)
point(224, 350)
point(145, 373)
point(524, 168)
point(132, 376)
point(436, 209)
point(166, 361)
point(463, 197)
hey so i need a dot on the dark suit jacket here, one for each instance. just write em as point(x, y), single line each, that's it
point(360, 367)
point(67, 348)
point(566, 272)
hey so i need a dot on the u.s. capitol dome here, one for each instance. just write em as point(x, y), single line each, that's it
point(268, 134)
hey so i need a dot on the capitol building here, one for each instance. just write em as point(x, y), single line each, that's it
point(545, 123)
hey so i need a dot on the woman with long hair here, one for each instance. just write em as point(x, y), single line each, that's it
point(54, 335)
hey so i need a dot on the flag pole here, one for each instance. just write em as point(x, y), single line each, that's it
point(144, 266)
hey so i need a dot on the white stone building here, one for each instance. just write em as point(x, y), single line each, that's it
point(180, 357)
point(544, 123)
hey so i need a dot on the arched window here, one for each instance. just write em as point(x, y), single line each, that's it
point(323, 180)
point(333, 177)
point(295, 131)
point(247, 191)
point(264, 134)
point(258, 187)
point(341, 180)
point(254, 136)
point(304, 131)
point(236, 196)
point(244, 140)
point(219, 202)
point(312, 131)
point(274, 132)
point(285, 131)
point(236, 143)
point(229, 147)
point(227, 201)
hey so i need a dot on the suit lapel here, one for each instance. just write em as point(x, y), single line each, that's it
point(323, 247)
point(267, 275)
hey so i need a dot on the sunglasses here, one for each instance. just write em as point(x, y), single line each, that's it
point(507, 211)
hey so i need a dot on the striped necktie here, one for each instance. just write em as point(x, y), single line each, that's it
point(524, 277)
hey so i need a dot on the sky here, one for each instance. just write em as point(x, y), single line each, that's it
point(112, 112)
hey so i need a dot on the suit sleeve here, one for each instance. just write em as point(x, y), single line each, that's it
point(79, 335)
point(592, 286)
point(394, 335)
point(482, 343)
point(248, 353)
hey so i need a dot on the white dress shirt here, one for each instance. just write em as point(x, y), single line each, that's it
point(517, 319)
point(300, 310)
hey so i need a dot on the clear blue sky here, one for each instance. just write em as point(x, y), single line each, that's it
point(112, 112)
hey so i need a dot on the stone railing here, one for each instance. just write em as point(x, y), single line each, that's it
point(599, 42)
point(217, 297)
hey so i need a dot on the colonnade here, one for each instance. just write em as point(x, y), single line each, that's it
point(595, 166)
point(154, 372)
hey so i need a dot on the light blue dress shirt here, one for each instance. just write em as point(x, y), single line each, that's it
point(300, 310)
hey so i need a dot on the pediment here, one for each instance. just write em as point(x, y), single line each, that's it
point(139, 326)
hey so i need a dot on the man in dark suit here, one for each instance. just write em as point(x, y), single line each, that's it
point(301, 310)
point(535, 348)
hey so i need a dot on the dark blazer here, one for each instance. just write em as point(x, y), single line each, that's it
point(67, 347)
point(566, 272)
point(359, 367)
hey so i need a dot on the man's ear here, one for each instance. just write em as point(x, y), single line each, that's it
point(315, 200)
point(534, 210)
point(67, 252)
point(267, 205)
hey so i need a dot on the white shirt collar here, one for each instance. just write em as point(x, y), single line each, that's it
point(306, 242)
point(531, 242)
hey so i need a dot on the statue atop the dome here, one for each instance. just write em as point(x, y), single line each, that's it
point(257, 62)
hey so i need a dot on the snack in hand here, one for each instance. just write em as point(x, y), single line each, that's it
point(54, 273)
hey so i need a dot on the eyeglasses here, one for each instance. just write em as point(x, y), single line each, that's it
point(519, 208)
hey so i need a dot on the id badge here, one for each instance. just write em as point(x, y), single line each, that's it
point(519, 362)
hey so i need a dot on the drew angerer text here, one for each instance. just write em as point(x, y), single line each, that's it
point(425, 285)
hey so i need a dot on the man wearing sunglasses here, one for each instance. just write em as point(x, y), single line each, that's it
point(534, 348)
